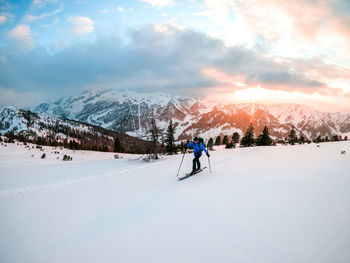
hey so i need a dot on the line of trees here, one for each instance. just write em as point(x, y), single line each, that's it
point(163, 142)
point(77, 140)
point(160, 141)
point(264, 139)
point(168, 145)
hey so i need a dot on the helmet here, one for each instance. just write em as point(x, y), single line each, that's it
point(195, 139)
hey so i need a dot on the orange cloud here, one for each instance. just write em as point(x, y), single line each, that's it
point(296, 24)
point(235, 89)
point(221, 77)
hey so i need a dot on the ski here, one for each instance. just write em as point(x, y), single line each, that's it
point(189, 175)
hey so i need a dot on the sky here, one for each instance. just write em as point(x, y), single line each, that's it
point(263, 51)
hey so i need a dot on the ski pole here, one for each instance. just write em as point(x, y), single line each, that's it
point(181, 163)
point(209, 164)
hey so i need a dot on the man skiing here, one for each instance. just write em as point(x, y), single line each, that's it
point(198, 147)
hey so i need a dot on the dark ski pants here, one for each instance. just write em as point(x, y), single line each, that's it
point(196, 163)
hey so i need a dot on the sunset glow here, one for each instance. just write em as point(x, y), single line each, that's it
point(175, 131)
point(266, 51)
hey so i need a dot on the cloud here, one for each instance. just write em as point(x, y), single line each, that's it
point(178, 61)
point(168, 26)
point(296, 24)
point(216, 10)
point(6, 17)
point(3, 19)
point(227, 27)
point(11, 97)
point(22, 37)
point(81, 25)
point(43, 2)
point(160, 3)
point(104, 11)
point(30, 18)
point(289, 28)
point(121, 9)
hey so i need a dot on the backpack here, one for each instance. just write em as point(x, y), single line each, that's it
point(202, 141)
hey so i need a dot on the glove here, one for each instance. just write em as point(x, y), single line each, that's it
point(208, 155)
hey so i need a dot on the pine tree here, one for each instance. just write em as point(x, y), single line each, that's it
point(235, 137)
point(292, 136)
point(10, 136)
point(229, 145)
point(225, 140)
point(218, 140)
point(154, 135)
point(162, 141)
point(210, 143)
point(117, 145)
point(264, 138)
point(73, 145)
point(318, 139)
point(170, 139)
point(248, 139)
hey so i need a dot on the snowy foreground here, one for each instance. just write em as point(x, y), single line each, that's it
point(263, 204)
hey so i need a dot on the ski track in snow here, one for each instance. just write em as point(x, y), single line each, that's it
point(237, 156)
point(17, 192)
point(20, 191)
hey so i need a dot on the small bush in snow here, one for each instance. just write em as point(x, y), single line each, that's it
point(43, 156)
point(116, 156)
point(150, 157)
point(67, 158)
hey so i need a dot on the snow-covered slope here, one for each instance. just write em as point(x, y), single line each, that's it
point(11, 120)
point(131, 112)
point(19, 120)
point(35, 126)
point(120, 110)
point(262, 204)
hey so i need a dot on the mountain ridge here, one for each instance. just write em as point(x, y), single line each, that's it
point(131, 112)
point(51, 130)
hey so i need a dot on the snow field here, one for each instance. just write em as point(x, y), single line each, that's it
point(260, 204)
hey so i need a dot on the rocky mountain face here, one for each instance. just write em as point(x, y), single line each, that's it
point(131, 113)
point(50, 130)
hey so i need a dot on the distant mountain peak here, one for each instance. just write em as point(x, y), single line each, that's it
point(130, 112)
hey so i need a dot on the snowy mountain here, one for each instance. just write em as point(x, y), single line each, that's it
point(131, 112)
point(49, 130)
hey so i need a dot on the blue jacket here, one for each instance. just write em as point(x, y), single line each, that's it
point(197, 148)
